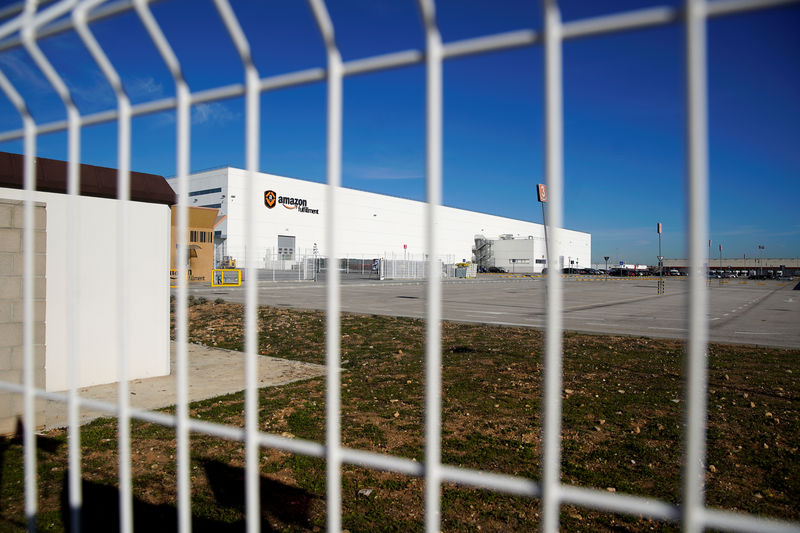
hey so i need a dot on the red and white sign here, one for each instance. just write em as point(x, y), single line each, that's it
point(541, 192)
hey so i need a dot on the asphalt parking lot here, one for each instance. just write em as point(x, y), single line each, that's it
point(741, 311)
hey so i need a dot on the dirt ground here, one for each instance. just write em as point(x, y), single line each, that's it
point(622, 428)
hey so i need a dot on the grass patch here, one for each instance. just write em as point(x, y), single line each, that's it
point(622, 411)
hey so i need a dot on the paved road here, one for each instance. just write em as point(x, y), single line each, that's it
point(741, 312)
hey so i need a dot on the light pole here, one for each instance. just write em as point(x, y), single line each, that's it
point(606, 258)
point(761, 248)
point(709, 255)
point(316, 251)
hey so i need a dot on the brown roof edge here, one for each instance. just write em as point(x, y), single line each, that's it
point(51, 176)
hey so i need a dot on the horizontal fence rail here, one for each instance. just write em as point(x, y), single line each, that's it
point(26, 24)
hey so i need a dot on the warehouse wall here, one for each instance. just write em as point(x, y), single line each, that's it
point(97, 279)
point(371, 225)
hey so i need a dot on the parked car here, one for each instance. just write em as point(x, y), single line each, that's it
point(497, 270)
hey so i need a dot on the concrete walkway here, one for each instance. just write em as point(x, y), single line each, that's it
point(212, 372)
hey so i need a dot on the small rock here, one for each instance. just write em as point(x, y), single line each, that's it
point(712, 469)
point(621, 391)
point(396, 414)
point(611, 489)
point(637, 430)
point(752, 404)
point(768, 414)
point(727, 378)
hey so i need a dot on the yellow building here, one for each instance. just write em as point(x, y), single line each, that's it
point(200, 243)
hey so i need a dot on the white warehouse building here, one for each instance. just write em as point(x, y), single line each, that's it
point(290, 223)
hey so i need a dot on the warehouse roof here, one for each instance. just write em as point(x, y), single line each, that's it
point(51, 176)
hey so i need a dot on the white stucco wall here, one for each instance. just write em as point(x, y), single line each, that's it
point(370, 225)
point(97, 278)
point(574, 249)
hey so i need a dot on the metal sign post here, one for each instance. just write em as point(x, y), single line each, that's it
point(541, 192)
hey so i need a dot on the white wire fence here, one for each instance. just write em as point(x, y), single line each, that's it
point(28, 25)
point(316, 268)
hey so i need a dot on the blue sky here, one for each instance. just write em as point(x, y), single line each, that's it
point(623, 111)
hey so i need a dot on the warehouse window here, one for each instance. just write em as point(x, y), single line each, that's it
point(216, 206)
point(200, 236)
point(205, 191)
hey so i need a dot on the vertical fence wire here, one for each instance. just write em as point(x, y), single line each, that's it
point(182, 141)
point(252, 135)
point(553, 113)
point(73, 184)
point(433, 304)
point(29, 438)
point(333, 437)
point(695, 371)
point(123, 142)
point(29, 186)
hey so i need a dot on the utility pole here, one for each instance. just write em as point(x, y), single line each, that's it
point(660, 262)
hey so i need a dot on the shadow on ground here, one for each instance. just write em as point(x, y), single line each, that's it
point(279, 503)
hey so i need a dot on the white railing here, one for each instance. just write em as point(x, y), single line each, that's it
point(25, 26)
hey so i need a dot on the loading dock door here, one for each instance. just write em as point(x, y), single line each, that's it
point(286, 247)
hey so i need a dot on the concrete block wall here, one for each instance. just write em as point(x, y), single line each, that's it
point(11, 309)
